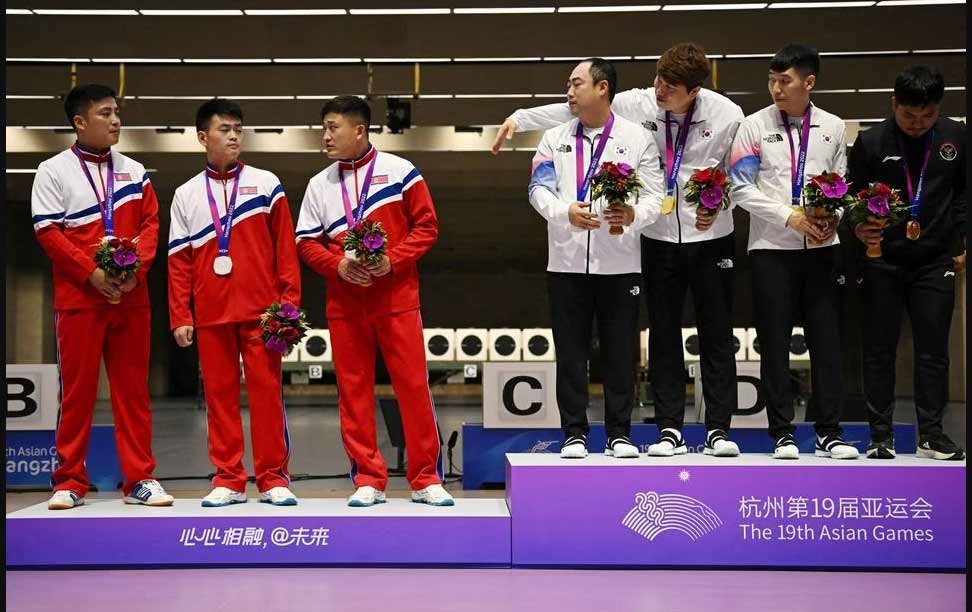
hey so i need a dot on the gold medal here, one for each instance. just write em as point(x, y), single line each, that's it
point(668, 205)
point(913, 230)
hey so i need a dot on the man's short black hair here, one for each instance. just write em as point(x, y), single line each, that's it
point(919, 85)
point(352, 107)
point(217, 106)
point(80, 97)
point(804, 59)
point(603, 70)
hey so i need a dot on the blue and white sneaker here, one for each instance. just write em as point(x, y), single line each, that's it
point(222, 496)
point(278, 496)
point(64, 500)
point(148, 493)
point(433, 495)
point(366, 496)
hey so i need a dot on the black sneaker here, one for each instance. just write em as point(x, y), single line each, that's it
point(786, 448)
point(575, 447)
point(834, 446)
point(718, 444)
point(621, 447)
point(881, 449)
point(669, 443)
point(940, 447)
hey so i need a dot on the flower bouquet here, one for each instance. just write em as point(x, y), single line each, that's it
point(708, 189)
point(615, 183)
point(825, 194)
point(118, 257)
point(877, 204)
point(367, 239)
point(284, 325)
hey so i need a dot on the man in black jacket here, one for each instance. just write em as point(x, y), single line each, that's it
point(923, 155)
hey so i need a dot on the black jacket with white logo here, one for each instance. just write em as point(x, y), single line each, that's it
point(876, 157)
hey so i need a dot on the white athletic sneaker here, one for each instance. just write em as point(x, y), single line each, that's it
point(718, 444)
point(279, 496)
point(222, 496)
point(149, 493)
point(64, 500)
point(833, 446)
point(366, 496)
point(575, 447)
point(786, 448)
point(433, 495)
point(621, 447)
point(669, 443)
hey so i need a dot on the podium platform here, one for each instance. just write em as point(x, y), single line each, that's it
point(320, 532)
point(751, 511)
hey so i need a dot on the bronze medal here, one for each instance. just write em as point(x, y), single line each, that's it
point(913, 230)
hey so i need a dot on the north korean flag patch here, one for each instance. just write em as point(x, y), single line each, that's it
point(250, 190)
point(123, 176)
point(380, 179)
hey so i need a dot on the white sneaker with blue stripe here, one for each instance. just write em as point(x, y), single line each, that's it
point(222, 496)
point(64, 500)
point(278, 496)
point(433, 495)
point(148, 493)
point(366, 496)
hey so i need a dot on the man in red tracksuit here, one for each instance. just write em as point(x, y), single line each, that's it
point(374, 305)
point(232, 254)
point(80, 196)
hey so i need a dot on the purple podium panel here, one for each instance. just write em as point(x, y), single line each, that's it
point(750, 511)
point(105, 532)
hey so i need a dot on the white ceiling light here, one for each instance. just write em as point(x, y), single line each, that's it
point(813, 5)
point(131, 12)
point(405, 60)
point(487, 96)
point(317, 60)
point(609, 9)
point(136, 60)
point(18, 11)
point(282, 12)
point(894, 52)
point(748, 55)
point(502, 11)
point(49, 60)
point(419, 11)
point(715, 7)
point(939, 51)
point(647, 57)
point(917, 2)
point(21, 97)
point(497, 59)
point(21, 170)
point(191, 13)
point(238, 60)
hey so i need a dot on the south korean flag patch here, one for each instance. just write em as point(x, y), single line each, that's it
point(706, 134)
point(621, 150)
point(827, 138)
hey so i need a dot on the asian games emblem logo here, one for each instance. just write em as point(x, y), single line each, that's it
point(656, 513)
point(542, 446)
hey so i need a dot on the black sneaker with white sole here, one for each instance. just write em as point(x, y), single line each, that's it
point(940, 447)
point(786, 448)
point(881, 449)
point(718, 444)
point(621, 447)
point(669, 443)
point(574, 447)
point(834, 446)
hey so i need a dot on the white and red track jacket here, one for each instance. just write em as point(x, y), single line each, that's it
point(265, 264)
point(398, 198)
point(67, 221)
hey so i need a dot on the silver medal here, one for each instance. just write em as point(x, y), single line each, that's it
point(222, 265)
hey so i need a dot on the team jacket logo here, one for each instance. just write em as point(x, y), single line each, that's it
point(650, 125)
point(564, 148)
point(381, 179)
point(948, 151)
point(774, 138)
point(725, 264)
point(656, 513)
point(705, 134)
point(123, 176)
point(620, 150)
point(249, 190)
point(827, 138)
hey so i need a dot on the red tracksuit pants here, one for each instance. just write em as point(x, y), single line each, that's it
point(355, 342)
point(120, 335)
point(220, 347)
